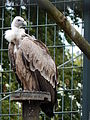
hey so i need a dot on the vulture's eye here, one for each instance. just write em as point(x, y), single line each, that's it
point(19, 20)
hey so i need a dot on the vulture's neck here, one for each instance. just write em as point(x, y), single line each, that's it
point(18, 32)
point(14, 33)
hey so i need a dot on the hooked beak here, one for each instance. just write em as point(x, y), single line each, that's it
point(24, 23)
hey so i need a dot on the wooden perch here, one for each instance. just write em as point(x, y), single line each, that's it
point(62, 21)
point(31, 102)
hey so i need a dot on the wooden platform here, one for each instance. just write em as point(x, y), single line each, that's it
point(30, 95)
point(31, 101)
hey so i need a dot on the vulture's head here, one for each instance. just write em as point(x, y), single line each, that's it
point(18, 22)
point(16, 29)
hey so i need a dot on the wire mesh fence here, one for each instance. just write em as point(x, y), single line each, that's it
point(66, 54)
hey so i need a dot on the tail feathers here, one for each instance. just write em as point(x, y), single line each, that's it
point(47, 108)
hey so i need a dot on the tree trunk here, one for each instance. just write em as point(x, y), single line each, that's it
point(62, 21)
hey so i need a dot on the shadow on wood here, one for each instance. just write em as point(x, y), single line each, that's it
point(31, 101)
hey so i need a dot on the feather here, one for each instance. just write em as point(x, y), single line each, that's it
point(9, 35)
point(39, 59)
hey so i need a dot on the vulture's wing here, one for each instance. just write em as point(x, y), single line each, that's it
point(37, 70)
point(11, 55)
point(39, 59)
point(12, 58)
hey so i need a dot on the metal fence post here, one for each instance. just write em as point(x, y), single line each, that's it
point(86, 65)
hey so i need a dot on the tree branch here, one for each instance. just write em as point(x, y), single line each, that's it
point(62, 21)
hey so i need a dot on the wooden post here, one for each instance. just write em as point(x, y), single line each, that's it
point(30, 110)
point(31, 102)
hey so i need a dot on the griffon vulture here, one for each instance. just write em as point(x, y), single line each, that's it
point(34, 68)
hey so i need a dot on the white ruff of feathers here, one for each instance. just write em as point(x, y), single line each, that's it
point(14, 33)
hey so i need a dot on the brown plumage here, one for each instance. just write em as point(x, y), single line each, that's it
point(34, 67)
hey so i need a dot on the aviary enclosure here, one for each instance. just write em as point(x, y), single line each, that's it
point(67, 56)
